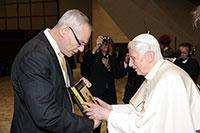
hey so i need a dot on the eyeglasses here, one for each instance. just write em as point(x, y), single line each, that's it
point(79, 43)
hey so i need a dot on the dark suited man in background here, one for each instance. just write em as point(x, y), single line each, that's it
point(186, 61)
point(40, 79)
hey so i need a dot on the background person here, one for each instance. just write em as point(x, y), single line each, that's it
point(166, 50)
point(85, 67)
point(133, 82)
point(187, 61)
point(104, 69)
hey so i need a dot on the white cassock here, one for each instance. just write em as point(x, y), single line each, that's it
point(172, 104)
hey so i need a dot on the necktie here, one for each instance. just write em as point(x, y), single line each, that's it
point(64, 67)
point(66, 77)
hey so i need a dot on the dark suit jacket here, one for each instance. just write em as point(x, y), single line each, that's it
point(41, 101)
point(132, 85)
point(191, 67)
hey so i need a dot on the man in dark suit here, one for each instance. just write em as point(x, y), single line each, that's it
point(186, 61)
point(41, 100)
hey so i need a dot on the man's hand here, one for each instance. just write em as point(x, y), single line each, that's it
point(87, 82)
point(103, 104)
point(96, 123)
point(98, 112)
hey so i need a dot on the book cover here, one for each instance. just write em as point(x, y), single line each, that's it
point(80, 94)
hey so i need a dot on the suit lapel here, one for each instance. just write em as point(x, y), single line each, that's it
point(53, 56)
point(70, 74)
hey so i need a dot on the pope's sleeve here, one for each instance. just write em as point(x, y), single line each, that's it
point(121, 119)
point(123, 108)
point(121, 123)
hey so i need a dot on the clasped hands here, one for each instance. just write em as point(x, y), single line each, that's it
point(99, 111)
point(105, 62)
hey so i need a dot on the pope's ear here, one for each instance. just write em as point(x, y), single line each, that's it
point(150, 55)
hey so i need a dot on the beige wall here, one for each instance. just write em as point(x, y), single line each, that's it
point(104, 25)
point(83, 5)
point(160, 17)
point(152, 15)
point(171, 17)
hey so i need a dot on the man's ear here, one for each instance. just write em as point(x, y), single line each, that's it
point(63, 30)
point(150, 55)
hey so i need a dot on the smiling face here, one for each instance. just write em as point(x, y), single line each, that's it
point(69, 42)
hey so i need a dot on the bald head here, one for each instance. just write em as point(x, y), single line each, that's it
point(73, 18)
point(72, 32)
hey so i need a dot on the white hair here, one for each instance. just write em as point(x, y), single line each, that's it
point(143, 47)
point(196, 16)
point(74, 18)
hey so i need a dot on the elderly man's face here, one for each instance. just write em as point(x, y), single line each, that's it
point(138, 62)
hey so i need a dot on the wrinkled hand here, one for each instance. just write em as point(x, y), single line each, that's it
point(96, 123)
point(87, 82)
point(98, 112)
point(103, 104)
